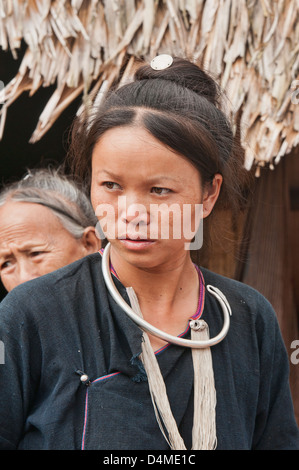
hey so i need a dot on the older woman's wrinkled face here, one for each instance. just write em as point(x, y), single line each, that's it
point(33, 242)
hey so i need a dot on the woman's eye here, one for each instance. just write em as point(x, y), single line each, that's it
point(5, 265)
point(111, 185)
point(34, 254)
point(160, 191)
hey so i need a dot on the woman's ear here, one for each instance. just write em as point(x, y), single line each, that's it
point(210, 194)
point(90, 240)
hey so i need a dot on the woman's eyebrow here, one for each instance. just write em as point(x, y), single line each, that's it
point(158, 176)
point(152, 180)
point(108, 173)
point(163, 178)
point(110, 176)
point(26, 246)
point(4, 254)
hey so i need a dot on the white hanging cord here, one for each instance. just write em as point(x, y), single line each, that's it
point(204, 418)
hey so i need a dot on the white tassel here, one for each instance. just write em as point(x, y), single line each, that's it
point(204, 421)
point(204, 424)
point(159, 397)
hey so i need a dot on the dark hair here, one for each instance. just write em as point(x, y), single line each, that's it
point(181, 107)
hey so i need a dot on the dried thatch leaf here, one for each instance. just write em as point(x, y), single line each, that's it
point(148, 22)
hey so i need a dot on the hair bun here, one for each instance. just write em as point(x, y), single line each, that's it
point(183, 73)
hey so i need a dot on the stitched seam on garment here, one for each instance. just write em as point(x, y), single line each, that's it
point(100, 379)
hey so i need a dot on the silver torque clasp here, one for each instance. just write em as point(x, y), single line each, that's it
point(197, 325)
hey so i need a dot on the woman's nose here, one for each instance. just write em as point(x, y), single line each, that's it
point(134, 213)
point(26, 272)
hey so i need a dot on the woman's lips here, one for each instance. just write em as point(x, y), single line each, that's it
point(136, 243)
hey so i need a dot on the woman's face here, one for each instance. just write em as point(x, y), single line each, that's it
point(144, 196)
point(33, 242)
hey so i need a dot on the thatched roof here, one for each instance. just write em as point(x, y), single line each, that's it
point(82, 46)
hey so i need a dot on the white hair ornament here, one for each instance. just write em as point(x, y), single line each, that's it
point(161, 62)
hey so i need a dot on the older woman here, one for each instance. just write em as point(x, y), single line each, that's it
point(46, 222)
point(138, 348)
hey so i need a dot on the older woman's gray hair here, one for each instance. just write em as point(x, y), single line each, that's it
point(52, 189)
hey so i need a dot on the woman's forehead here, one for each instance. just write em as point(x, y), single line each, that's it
point(125, 149)
point(27, 221)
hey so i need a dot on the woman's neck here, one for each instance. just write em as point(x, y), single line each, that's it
point(152, 283)
point(168, 296)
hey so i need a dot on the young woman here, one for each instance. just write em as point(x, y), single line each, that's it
point(136, 347)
